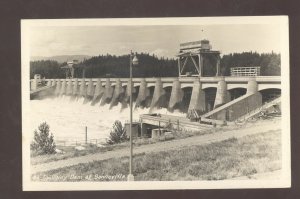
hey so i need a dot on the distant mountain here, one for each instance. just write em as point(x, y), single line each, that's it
point(61, 58)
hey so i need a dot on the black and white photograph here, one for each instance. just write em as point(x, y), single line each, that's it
point(155, 103)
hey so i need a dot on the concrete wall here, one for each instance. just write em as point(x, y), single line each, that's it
point(238, 107)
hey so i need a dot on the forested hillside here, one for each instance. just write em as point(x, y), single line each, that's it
point(152, 66)
point(269, 62)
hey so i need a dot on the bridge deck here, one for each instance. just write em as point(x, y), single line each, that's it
point(191, 79)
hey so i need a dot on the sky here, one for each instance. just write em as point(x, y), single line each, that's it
point(161, 40)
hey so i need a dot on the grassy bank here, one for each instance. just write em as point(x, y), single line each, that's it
point(216, 161)
point(71, 152)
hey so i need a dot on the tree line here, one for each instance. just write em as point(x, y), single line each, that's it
point(152, 66)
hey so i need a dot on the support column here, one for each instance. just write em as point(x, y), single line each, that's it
point(176, 94)
point(128, 91)
point(159, 92)
point(252, 86)
point(49, 83)
point(108, 93)
point(63, 87)
point(69, 87)
point(90, 89)
point(98, 92)
point(144, 93)
point(82, 88)
point(58, 86)
point(198, 98)
point(53, 82)
point(75, 87)
point(222, 96)
point(118, 94)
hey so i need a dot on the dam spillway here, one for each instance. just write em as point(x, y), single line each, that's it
point(183, 93)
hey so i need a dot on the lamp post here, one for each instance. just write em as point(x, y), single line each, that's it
point(133, 61)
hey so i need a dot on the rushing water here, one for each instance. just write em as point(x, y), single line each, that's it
point(67, 118)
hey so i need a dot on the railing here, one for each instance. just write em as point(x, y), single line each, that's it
point(59, 142)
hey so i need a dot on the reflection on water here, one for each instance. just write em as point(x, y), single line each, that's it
point(67, 118)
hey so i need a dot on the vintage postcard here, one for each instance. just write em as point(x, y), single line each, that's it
point(155, 103)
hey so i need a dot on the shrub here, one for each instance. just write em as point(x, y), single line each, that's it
point(118, 134)
point(43, 143)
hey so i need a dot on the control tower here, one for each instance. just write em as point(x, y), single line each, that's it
point(198, 59)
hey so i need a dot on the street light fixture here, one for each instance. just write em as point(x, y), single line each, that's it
point(133, 61)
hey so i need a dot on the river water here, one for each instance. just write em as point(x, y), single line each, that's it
point(67, 117)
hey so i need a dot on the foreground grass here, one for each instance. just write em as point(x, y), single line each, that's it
point(227, 159)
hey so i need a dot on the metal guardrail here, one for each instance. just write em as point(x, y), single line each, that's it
point(59, 142)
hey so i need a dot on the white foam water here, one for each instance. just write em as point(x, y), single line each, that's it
point(68, 118)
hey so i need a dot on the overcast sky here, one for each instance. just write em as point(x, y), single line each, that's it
point(160, 40)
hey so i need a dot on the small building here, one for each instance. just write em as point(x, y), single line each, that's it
point(136, 132)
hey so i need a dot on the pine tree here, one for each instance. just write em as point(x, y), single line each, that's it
point(43, 143)
point(118, 134)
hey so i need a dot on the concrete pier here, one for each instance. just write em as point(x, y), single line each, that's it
point(222, 95)
point(49, 83)
point(118, 94)
point(158, 94)
point(69, 87)
point(252, 86)
point(108, 93)
point(58, 86)
point(98, 92)
point(82, 91)
point(198, 98)
point(53, 83)
point(90, 89)
point(176, 95)
point(63, 87)
point(75, 88)
point(144, 93)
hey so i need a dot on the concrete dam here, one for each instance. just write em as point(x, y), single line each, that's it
point(203, 94)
